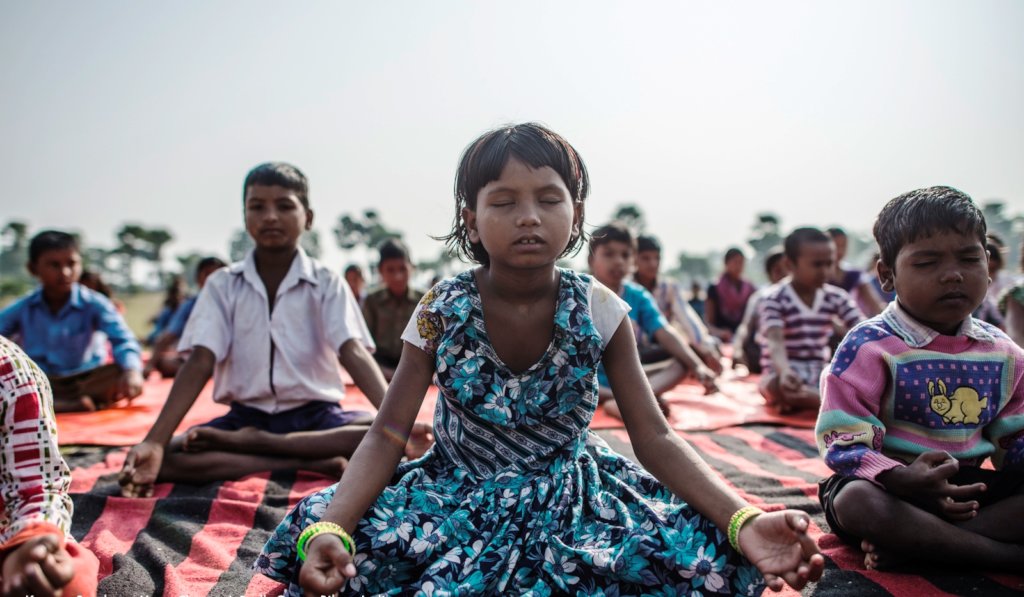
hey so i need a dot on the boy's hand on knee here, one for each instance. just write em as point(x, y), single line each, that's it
point(790, 381)
point(141, 467)
point(130, 384)
point(39, 566)
point(706, 377)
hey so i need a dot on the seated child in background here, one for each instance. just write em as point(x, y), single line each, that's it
point(94, 281)
point(612, 249)
point(746, 349)
point(356, 282)
point(672, 304)
point(988, 311)
point(727, 298)
point(917, 398)
point(796, 321)
point(271, 330)
point(166, 359)
point(176, 294)
point(56, 325)
point(851, 279)
point(387, 309)
point(37, 554)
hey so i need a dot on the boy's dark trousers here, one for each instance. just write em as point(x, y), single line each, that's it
point(100, 384)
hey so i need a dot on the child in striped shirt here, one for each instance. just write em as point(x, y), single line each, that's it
point(796, 321)
point(920, 396)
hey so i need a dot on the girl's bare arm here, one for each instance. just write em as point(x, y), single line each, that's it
point(374, 461)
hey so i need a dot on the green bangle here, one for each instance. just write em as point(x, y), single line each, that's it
point(324, 528)
point(740, 518)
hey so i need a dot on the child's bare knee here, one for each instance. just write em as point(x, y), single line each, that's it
point(861, 508)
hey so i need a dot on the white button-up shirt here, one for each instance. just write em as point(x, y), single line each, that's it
point(281, 360)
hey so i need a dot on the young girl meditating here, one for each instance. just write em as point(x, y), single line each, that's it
point(517, 495)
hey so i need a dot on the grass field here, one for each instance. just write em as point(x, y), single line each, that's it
point(140, 309)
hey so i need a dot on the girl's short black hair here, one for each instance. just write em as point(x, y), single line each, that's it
point(482, 162)
point(280, 174)
point(924, 212)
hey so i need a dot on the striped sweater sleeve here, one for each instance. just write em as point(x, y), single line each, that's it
point(849, 432)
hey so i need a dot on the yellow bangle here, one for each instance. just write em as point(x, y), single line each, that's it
point(323, 528)
point(740, 518)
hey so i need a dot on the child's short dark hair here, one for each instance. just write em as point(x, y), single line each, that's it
point(800, 237)
point(206, 263)
point(609, 233)
point(482, 162)
point(731, 253)
point(835, 231)
point(50, 240)
point(995, 247)
point(775, 254)
point(646, 242)
point(352, 267)
point(924, 212)
point(278, 174)
point(393, 248)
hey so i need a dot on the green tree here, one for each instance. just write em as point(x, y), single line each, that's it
point(631, 215)
point(367, 231)
point(135, 241)
point(14, 251)
point(694, 267)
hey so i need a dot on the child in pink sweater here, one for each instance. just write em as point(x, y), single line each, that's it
point(918, 397)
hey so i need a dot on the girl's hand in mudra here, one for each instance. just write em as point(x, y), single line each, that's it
point(327, 567)
point(778, 544)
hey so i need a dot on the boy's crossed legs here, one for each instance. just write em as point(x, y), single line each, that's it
point(318, 436)
point(892, 530)
point(794, 389)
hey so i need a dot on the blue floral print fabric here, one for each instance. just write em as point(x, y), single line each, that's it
point(517, 496)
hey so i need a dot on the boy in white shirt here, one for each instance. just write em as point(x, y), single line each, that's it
point(270, 330)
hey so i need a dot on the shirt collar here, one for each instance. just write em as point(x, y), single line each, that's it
point(36, 298)
point(918, 335)
point(301, 268)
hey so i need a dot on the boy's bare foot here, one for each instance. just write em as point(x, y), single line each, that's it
point(879, 559)
point(328, 467)
point(205, 439)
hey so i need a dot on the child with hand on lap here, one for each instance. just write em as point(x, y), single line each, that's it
point(518, 496)
point(918, 397)
point(796, 319)
point(37, 554)
point(56, 326)
point(271, 330)
point(666, 356)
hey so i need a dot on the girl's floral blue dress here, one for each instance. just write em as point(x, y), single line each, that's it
point(517, 495)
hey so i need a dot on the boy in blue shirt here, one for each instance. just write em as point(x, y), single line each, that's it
point(56, 323)
point(612, 251)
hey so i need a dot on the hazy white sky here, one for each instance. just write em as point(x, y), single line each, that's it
point(705, 113)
